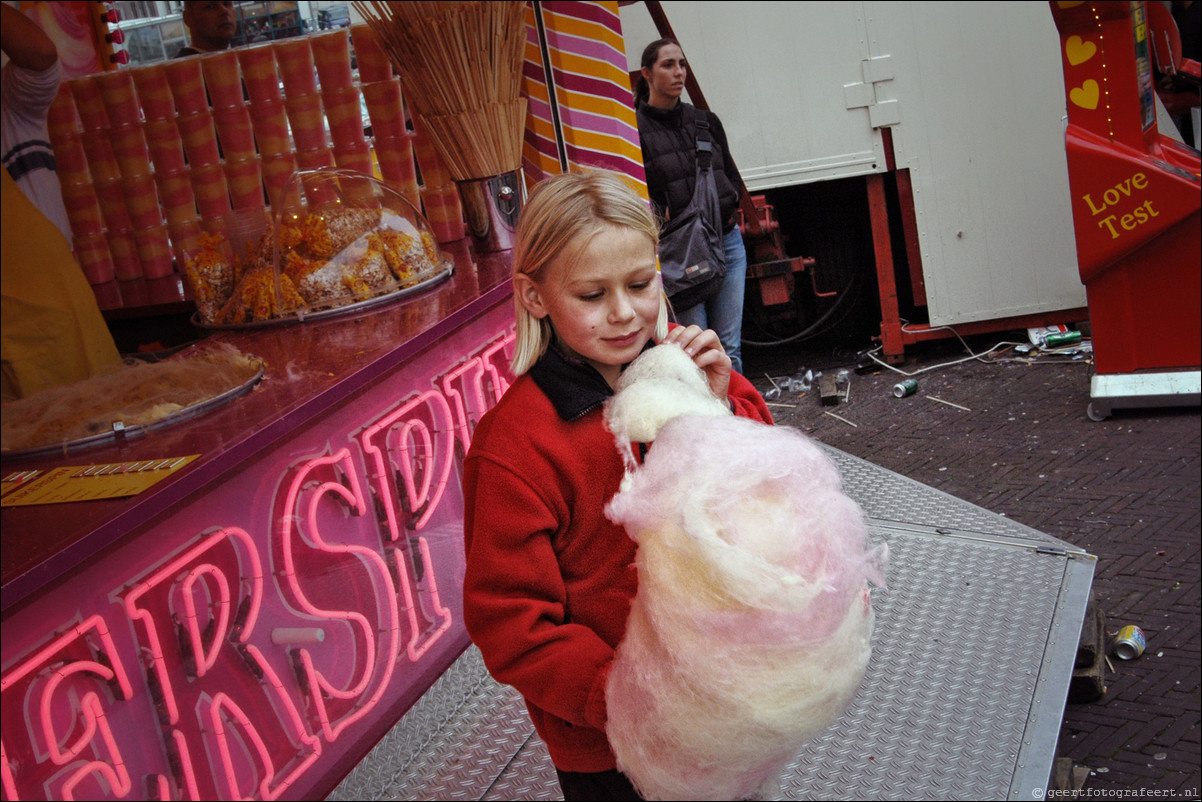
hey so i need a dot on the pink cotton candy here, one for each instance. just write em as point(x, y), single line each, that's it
point(750, 631)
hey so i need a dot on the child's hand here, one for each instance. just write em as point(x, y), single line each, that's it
point(708, 354)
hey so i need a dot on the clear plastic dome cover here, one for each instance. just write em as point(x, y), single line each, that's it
point(338, 241)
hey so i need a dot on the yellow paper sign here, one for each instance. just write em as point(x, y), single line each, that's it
point(87, 482)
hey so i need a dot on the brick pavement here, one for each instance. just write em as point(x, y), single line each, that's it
point(1125, 489)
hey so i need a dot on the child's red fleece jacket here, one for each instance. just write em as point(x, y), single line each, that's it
point(549, 579)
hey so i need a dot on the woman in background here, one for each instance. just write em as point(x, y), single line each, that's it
point(670, 159)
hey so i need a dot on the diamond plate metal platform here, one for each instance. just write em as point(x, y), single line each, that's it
point(973, 653)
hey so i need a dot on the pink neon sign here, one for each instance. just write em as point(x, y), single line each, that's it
point(231, 665)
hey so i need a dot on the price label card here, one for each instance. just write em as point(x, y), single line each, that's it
point(87, 482)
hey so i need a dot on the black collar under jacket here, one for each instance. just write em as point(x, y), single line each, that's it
point(574, 387)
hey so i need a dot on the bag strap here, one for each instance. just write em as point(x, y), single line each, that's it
point(701, 136)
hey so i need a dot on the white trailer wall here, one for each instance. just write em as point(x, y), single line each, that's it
point(973, 94)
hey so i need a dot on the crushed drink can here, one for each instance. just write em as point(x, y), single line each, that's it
point(905, 388)
point(1061, 339)
point(1130, 642)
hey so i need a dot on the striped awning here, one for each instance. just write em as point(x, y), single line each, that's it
point(581, 113)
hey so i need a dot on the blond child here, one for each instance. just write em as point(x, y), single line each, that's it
point(549, 580)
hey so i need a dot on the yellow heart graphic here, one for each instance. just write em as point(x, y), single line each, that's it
point(1079, 51)
point(1085, 96)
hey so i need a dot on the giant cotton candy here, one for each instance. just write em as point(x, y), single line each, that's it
point(750, 630)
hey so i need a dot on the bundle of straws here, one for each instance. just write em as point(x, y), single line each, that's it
point(461, 66)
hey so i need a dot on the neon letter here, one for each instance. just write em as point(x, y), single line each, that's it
point(416, 441)
point(57, 699)
point(335, 576)
point(476, 386)
point(218, 694)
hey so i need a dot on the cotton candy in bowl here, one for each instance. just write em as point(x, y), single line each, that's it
point(751, 629)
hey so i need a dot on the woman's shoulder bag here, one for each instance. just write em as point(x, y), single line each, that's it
point(691, 256)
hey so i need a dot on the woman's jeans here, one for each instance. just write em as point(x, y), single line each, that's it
point(723, 312)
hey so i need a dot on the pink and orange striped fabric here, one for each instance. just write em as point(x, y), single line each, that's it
point(580, 110)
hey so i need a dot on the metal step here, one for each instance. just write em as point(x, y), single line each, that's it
point(975, 641)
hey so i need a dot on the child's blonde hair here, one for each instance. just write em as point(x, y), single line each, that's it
point(561, 210)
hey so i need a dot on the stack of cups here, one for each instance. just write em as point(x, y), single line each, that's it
point(154, 92)
point(444, 210)
point(295, 59)
point(259, 74)
point(62, 118)
point(92, 253)
point(222, 80)
point(153, 245)
point(125, 127)
point(79, 196)
point(89, 104)
point(332, 57)
point(440, 194)
point(211, 189)
point(187, 85)
point(233, 122)
point(127, 265)
point(307, 120)
point(351, 150)
point(171, 176)
point(393, 143)
point(166, 146)
point(137, 176)
point(106, 178)
point(179, 203)
point(245, 179)
point(303, 104)
point(278, 165)
point(370, 56)
point(199, 138)
point(268, 118)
